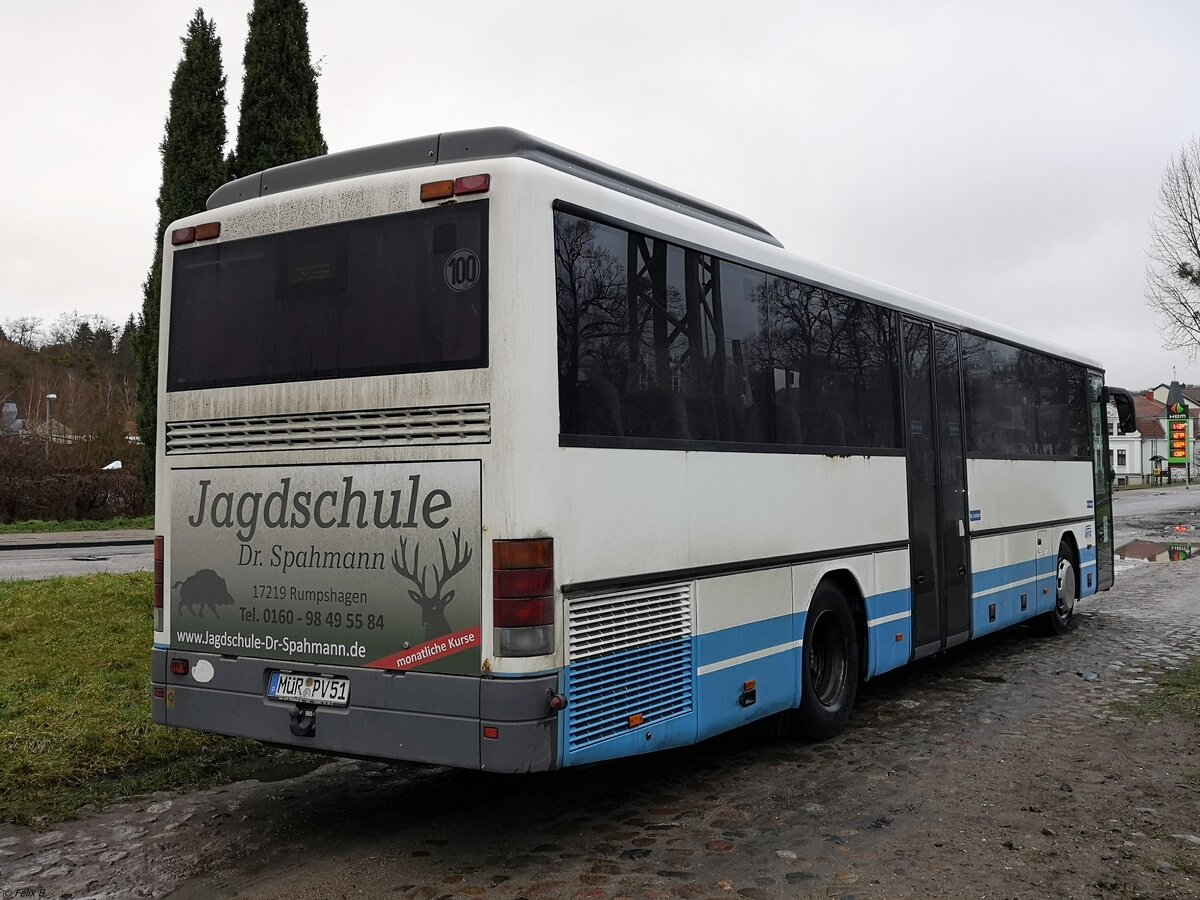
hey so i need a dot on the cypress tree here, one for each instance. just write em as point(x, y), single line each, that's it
point(279, 122)
point(192, 168)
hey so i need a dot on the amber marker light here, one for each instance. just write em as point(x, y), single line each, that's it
point(208, 231)
point(529, 554)
point(183, 236)
point(436, 190)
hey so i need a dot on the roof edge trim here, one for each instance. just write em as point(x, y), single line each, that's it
point(463, 146)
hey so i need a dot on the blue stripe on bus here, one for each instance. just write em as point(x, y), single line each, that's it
point(1089, 574)
point(1036, 578)
point(1002, 575)
point(776, 675)
point(884, 650)
point(729, 643)
point(777, 671)
point(888, 604)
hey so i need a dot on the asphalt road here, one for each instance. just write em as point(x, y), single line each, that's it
point(1150, 501)
point(40, 562)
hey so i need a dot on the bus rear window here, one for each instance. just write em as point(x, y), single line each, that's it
point(383, 295)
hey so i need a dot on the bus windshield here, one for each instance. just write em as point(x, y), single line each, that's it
point(381, 295)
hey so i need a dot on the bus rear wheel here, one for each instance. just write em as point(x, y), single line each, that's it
point(1058, 620)
point(829, 680)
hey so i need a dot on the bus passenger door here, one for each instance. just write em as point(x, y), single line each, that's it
point(952, 488)
point(937, 502)
point(921, 441)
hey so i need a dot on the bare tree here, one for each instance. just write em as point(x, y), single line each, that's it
point(1173, 273)
point(24, 331)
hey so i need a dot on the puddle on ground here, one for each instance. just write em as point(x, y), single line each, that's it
point(1156, 551)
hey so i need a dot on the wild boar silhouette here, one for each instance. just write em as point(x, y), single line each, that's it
point(204, 588)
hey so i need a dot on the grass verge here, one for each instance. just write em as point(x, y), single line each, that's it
point(75, 725)
point(41, 526)
point(1178, 692)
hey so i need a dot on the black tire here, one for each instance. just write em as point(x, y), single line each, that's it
point(1066, 591)
point(829, 678)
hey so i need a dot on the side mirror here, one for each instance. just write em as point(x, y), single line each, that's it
point(1126, 414)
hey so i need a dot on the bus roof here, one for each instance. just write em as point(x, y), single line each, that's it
point(479, 143)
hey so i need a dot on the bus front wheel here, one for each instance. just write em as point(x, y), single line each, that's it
point(1058, 620)
point(829, 681)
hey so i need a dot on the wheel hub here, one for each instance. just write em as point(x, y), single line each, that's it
point(1066, 588)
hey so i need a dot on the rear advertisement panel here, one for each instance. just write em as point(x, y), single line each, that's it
point(375, 565)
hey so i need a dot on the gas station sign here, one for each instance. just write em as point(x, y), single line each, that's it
point(1178, 437)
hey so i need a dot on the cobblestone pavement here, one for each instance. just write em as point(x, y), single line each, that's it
point(1013, 767)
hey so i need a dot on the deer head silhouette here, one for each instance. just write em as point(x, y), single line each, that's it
point(433, 603)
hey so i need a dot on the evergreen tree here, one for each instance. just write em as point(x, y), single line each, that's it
point(193, 167)
point(280, 122)
point(123, 354)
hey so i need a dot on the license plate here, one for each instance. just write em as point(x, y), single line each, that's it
point(325, 690)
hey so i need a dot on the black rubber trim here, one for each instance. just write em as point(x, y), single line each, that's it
point(928, 649)
point(1032, 526)
point(607, 442)
point(731, 568)
point(955, 640)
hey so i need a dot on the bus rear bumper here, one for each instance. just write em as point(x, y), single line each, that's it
point(411, 716)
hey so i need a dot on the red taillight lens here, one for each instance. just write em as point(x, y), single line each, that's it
point(491, 732)
point(179, 667)
point(523, 608)
point(472, 184)
point(158, 571)
point(183, 236)
point(523, 612)
point(523, 582)
point(533, 554)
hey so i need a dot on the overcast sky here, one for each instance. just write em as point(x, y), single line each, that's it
point(1004, 158)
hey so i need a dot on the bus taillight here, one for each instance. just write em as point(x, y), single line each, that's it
point(472, 184)
point(443, 190)
point(523, 597)
point(158, 582)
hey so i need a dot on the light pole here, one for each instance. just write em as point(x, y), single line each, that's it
point(49, 397)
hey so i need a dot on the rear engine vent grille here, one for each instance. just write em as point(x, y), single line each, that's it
point(313, 431)
point(630, 662)
point(598, 626)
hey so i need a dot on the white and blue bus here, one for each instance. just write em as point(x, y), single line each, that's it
point(476, 451)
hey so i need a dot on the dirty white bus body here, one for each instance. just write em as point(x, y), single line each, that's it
point(475, 451)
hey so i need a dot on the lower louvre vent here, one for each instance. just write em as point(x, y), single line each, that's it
point(630, 662)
